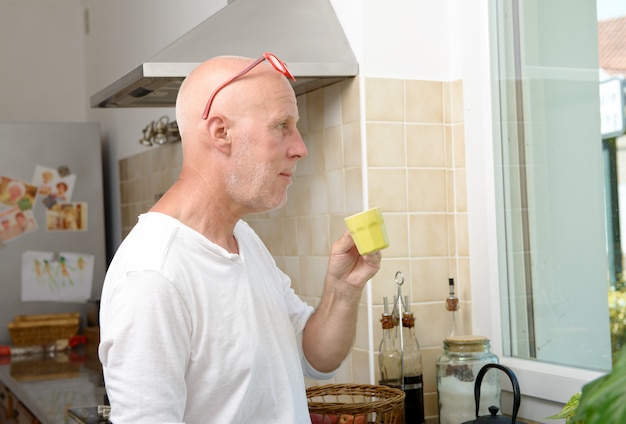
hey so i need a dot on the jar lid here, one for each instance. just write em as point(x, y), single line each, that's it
point(466, 343)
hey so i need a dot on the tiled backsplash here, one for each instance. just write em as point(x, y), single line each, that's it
point(410, 162)
point(144, 177)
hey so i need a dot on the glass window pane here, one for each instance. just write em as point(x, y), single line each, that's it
point(553, 236)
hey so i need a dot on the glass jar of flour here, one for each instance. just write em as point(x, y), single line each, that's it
point(457, 368)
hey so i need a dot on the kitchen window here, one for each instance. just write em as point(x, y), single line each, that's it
point(550, 171)
point(539, 195)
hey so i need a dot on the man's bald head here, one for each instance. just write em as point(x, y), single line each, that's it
point(197, 88)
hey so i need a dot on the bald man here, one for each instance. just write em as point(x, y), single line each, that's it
point(198, 324)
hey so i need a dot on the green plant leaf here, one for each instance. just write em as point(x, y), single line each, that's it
point(604, 400)
point(569, 410)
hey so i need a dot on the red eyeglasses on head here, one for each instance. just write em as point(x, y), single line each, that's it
point(278, 64)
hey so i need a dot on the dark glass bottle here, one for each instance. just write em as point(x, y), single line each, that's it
point(413, 384)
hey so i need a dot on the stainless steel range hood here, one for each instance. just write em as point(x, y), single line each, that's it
point(306, 34)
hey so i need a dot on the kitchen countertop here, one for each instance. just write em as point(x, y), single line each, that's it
point(50, 385)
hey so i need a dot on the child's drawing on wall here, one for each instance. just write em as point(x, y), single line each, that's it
point(61, 276)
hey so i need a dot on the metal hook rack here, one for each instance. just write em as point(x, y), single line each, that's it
point(400, 306)
point(411, 379)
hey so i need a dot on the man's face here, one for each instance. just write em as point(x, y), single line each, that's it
point(267, 148)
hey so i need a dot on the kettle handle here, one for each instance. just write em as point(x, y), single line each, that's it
point(514, 383)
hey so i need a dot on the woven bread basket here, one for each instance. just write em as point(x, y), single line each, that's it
point(355, 404)
point(38, 330)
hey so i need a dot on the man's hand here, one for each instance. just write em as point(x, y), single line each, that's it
point(346, 264)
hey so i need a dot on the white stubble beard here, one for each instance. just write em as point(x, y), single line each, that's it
point(251, 182)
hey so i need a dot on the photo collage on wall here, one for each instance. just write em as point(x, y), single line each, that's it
point(50, 188)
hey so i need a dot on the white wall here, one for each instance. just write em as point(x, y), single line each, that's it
point(122, 35)
point(406, 39)
point(42, 72)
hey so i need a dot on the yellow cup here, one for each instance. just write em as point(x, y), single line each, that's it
point(368, 231)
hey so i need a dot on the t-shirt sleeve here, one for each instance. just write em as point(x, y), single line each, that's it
point(145, 331)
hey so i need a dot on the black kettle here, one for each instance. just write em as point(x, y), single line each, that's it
point(494, 418)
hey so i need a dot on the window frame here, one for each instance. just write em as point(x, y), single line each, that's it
point(545, 387)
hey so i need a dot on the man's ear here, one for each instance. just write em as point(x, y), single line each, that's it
point(219, 136)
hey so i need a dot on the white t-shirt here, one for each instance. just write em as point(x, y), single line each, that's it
point(192, 333)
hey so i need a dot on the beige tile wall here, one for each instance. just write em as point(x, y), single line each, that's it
point(414, 171)
point(412, 167)
point(144, 177)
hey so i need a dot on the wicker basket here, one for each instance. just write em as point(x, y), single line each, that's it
point(355, 404)
point(36, 330)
